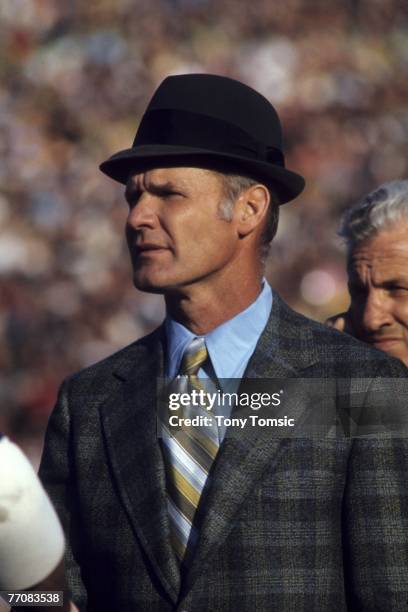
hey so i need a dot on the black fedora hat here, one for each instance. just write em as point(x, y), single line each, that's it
point(209, 121)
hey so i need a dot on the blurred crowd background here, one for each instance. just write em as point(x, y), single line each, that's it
point(74, 79)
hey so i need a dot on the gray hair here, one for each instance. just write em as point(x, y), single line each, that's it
point(234, 185)
point(378, 210)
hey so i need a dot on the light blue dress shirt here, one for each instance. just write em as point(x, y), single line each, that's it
point(229, 346)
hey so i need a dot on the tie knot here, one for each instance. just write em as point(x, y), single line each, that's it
point(194, 357)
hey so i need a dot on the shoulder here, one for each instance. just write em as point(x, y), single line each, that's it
point(343, 346)
point(338, 350)
point(118, 365)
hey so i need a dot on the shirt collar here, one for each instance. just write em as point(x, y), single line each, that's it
point(229, 345)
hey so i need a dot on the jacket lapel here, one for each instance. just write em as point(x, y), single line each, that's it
point(285, 350)
point(130, 428)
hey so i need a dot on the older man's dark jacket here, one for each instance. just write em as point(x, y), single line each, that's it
point(289, 525)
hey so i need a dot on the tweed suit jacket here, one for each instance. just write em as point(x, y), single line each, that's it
point(305, 525)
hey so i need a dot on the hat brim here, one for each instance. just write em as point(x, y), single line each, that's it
point(286, 184)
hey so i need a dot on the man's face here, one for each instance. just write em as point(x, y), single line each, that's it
point(378, 285)
point(174, 231)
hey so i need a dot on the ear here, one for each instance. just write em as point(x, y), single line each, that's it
point(251, 209)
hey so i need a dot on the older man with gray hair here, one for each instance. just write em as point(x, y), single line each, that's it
point(376, 234)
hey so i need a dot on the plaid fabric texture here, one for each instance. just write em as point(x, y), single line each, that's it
point(288, 525)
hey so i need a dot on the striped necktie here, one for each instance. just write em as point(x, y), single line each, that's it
point(189, 453)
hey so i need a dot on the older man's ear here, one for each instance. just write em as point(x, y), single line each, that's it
point(342, 322)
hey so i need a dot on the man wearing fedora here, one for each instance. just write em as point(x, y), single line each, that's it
point(196, 519)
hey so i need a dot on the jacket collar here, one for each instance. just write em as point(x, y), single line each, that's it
point(130, 428)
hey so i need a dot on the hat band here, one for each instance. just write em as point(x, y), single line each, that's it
point(185, 129)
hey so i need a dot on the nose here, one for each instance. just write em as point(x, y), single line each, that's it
point(143, 214)
point(377, 311)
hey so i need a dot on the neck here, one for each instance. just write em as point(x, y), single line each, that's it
point(201, 308)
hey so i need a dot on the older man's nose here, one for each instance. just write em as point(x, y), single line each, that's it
point(377, 312)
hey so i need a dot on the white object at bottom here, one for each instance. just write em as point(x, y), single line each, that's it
point(31, 536)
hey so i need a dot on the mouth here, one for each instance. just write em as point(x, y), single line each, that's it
point(384, 343)
point(148, 248)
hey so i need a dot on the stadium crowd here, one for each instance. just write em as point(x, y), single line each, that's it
point(75, 77)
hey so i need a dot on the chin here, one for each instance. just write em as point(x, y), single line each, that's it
point(149, 278)
point(148, 285)
point(402, 356)
point(160, 285)
point(151, 282)
point(399, 354)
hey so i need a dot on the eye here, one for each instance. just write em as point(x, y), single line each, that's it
point(167, 195)
point(398, 290)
